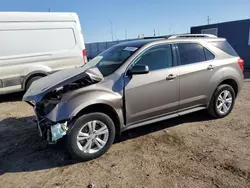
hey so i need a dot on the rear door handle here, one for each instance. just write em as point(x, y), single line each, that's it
point(210, 67)
point(171, 77)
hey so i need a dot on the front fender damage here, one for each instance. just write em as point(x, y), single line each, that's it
point(45, 97)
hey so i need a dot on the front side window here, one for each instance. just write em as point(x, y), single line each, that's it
point(156, 58)
point(191, 53)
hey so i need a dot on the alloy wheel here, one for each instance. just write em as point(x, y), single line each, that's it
point(92, 137)
point(224, 101)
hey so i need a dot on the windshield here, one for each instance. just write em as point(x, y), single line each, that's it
point(110, 60)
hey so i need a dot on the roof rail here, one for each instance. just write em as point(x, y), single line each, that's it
point(156, 37)
point(192, 36)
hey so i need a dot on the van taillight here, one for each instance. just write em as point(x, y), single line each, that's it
point(241, 64)
point(84, 54)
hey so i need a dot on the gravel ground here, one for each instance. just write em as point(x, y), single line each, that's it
point(190, 151)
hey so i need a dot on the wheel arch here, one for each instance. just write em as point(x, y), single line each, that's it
point(229, 81)
point(32, 75)
point(102, 108)
point(232, 82)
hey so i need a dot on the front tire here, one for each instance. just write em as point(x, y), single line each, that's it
point(91, 136)
point(222, 101)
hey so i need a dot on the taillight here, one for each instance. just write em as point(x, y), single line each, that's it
point(84, 54)
point(241, 64)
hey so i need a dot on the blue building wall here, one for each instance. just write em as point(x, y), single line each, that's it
point(237, 34)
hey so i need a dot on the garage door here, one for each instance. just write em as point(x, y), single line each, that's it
point(212, 31)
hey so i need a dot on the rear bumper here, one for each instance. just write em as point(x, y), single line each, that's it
point(241, 83)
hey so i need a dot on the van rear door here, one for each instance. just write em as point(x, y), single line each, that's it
point(80, 39)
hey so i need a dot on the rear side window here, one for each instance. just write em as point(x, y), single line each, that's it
point(225, 46)
point(191, 53)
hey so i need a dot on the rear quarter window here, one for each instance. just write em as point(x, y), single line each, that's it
point(225, 46)
point(208, 54)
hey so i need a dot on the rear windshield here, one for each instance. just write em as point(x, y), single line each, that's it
point(225, 46)
point(111, 59)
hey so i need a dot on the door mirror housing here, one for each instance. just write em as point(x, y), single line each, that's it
point(138, 69)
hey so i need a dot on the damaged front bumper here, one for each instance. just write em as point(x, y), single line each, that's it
point(45, 96)
point(52, 132)
point(49, 130)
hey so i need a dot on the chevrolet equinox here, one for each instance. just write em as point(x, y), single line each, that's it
point(133, 84)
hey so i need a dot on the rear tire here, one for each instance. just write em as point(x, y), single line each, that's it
point(91, 136)
point(222, 101)
point(30, 81)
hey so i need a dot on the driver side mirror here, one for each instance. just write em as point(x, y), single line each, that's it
point(138, 69)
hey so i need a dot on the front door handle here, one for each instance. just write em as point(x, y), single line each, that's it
point(171, 77)
point(210, 67)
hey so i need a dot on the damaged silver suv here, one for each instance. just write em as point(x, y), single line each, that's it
point(133, 84)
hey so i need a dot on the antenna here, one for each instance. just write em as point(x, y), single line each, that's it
point(208, 20)
point(111, 27)
point(126, 35)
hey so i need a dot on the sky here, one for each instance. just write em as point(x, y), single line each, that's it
point(136, 17)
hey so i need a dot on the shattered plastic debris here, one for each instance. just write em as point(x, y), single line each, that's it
point(58, 131)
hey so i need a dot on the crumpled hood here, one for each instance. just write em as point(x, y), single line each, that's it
point(41, 87)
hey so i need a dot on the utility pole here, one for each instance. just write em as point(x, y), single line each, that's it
point(154, 33)
point(208, 20)
point(111, 27)
point(126, 36)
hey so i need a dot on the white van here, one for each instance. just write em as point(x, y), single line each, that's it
point(34, 44)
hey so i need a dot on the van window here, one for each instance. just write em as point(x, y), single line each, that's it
point(19, 42)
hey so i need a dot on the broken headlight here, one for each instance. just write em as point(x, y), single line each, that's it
point(49, 105)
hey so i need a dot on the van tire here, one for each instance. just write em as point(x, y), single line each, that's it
point(213, 109)
point(72, 142)
point(30, 81)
